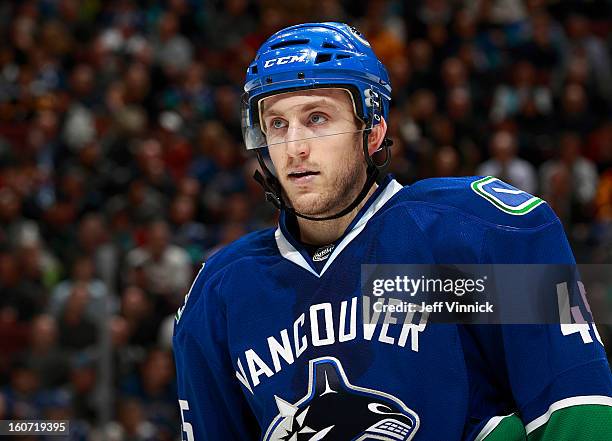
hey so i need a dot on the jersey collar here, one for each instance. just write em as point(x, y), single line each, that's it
point(292, 250)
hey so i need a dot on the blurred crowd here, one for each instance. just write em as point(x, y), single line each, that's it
point(122, 165)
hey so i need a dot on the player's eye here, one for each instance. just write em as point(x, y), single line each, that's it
point(278, 123)
point(317, 118)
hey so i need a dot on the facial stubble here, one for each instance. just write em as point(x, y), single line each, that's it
point(340, 192)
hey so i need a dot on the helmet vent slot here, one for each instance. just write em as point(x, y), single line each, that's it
point(254, 69)
point(328, 45)
point(322, 58)
point(342, 56)
point(289, 43)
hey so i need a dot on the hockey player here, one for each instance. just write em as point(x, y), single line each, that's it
point(270, 343)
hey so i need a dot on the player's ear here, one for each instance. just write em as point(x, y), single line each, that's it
point(376, 136)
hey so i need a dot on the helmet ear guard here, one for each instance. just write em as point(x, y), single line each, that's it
point(317, 56)
point(373, 101)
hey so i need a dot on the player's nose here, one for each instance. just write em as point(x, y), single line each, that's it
point(297, 142)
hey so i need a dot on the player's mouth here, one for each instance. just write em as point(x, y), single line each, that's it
point(301, 177)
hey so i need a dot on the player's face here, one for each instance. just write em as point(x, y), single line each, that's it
point(315, 145)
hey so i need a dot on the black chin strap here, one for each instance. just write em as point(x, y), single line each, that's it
point(273, 189)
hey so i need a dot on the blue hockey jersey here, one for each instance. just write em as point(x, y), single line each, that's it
point(269, 345)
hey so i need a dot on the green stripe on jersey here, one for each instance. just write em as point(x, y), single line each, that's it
point(511, 428)
point(587, 422)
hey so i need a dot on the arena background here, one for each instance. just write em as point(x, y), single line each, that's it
point(122, 165)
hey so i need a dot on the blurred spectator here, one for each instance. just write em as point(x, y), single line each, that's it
point(542, 45)
point(22, 392)
point(386, 32)
point(14, 336)
point(132, 423)
point(172, 50)
point(139, 314)
point(583, 44)
point(421, 55)
point(574, 114)
point(233, 21)
point(11, 214)
point(79, 127)
point(499, 12)
point(599, 147)
point(83, 377)
point(76, 329)
point(420, 110)
point(44, 354)
point(125, 355)
point(218, 169)
point(82, 273)
point(159, 266)
point(454, 78)
point(505, 165)
point(94, 240)
point(468, 129)
point(156, 390)
point(57, 404)
point(187, 233)
point(508, 100)
point(400, 73)
point(152, 168)
point(17, 295)
point(569, 183)
point(446, 162)
point(142, 203)
point(38, 268)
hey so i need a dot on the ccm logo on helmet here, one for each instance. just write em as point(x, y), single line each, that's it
point(285, 60)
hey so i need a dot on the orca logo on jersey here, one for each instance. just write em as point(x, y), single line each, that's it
point(323, 253)
point(505, 197)
point(335, 410)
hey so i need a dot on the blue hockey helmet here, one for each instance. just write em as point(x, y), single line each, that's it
point(315, 55)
